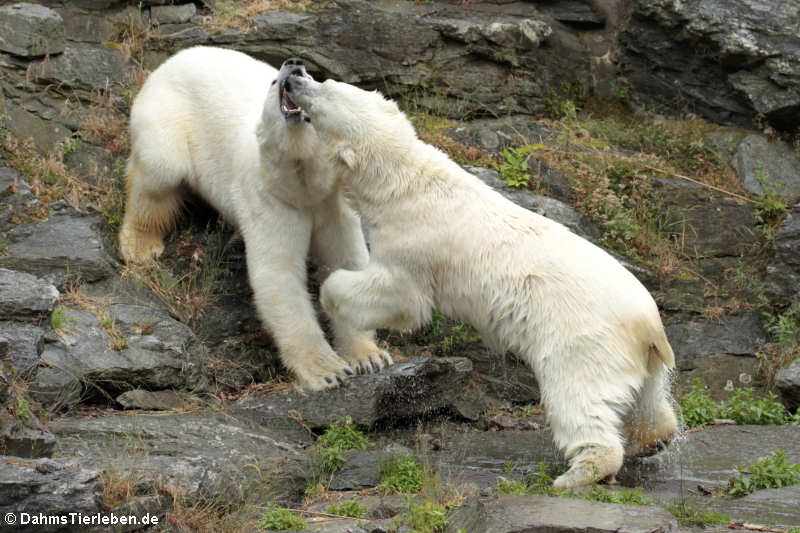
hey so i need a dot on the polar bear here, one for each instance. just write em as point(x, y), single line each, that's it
point(217, 121)
point(440, 238)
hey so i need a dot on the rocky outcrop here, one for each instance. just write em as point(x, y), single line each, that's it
point(783, 273)
point(31, 30)
point(787, 381)
point(732, 61)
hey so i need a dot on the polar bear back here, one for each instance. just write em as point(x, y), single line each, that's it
point(196, 116)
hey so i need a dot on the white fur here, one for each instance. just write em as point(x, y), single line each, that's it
point(209, 118)
point(440, 238)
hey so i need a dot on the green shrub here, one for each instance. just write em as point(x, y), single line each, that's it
point(401, 474)
point(428, 517)
point(697, 407)
point(769, 472)
point(278, 519)
point(340, 437)
point(514, 168)
point(744, 407)
point(351, 508)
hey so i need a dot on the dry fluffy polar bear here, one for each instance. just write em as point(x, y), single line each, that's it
point(218, 122)
point(440, 238)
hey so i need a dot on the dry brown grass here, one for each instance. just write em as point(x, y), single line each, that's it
point(76, 298)
point(238, 14)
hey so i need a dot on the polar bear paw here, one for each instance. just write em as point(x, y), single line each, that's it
point(323, 372)
point(139, 247)
point(365, 357)
point(592, 463)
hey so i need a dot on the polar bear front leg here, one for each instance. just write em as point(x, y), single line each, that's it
point(277, 241)
point(337, 242)
point(375, 298)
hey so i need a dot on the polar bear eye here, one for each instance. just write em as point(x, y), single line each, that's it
point(273, 82)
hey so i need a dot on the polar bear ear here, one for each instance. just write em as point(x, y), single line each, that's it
point(348, 155)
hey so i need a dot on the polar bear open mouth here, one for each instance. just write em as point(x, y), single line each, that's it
point(288, 107)
point(292, 112)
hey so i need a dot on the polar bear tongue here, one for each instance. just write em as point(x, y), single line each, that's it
point(287, 103)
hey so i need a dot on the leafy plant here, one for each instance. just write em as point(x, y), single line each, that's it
point(514, 168)
point(512, 486)
point(693, 516)
point(697, 407)
point(428, 517)
point(351, 508)
point(58, 318)
point(279, 519)
point(785, 327)
point(401, 474)
point(766, 473)
point(340, 437)
point(744, 407)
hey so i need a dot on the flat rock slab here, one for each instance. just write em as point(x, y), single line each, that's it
point(31, 30)
point(740, 334)
point(160, 352)
point(23, 296)
point(49, 486)
point(410, 388)
point(513, 514)
point(65, 246)
point(198, 455)
point(161, 400)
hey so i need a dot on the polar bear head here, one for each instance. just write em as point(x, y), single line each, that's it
point(277, 98)
point(352, 120)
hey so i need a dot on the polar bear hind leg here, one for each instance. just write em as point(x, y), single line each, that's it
point(653, 423)
point(337, 242)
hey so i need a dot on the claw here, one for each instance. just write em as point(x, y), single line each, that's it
point(349, 371)
point(387, 358)
point(328, 380)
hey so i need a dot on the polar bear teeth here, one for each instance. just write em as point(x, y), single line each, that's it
point(287, 106)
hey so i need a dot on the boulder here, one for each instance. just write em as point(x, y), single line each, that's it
point(740, 334)
point(787, 381)
point(783, 272)
point(773, 166)
point(64, 247)
point(25, 343)
point(23, 296)
point(172, 14)
point(411, 388)
point(31, 30)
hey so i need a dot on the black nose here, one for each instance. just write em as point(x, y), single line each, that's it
point(296, 72)
point(294, 62)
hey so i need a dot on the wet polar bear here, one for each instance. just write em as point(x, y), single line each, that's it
point(216, 120)
point(440, 238)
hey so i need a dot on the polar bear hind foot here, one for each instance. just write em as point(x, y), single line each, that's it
point(649, 438)
point(364, 356)
point(140, 246)
point(592, 463)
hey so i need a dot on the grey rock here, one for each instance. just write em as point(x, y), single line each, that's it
point(31, 30)
point(773, 165)
point(163, 400)
point(509, 513)
point(740, 334)
point(86, 27)
point(44, 134)
point(361, 469)
point(173, 14)
point(86, 66)
point(23, 296)
point(704, 224)
point(787, 381)
point(56, 389)
point(414, 387)
point(743, 55)
point(53, 487)
point(195, 456)
point(64, 247)
point(542, 205)
point(708, 458)
point(25, 344)
point(23, 435)
point(722, 374)
point(159, 353)
point(783, 272)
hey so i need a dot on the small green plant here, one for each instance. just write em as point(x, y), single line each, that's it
point(744, 407)
point(351, 508)
point(340, 437)
point(540, 481)
point(401, 474)
point(625, 496)
point(693, 516)
point(278, 519)
point(785, 327)
point(22, 410)
point(514, 168)
point(428, 517)
point(697, 407)
point(766, 473)
point(58, 318)
point(512, 486)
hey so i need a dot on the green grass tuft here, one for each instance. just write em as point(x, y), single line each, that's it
point(401, 474)
point(351, 508)
point(278, 519)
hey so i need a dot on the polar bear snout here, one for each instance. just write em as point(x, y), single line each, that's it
point(291, 69)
